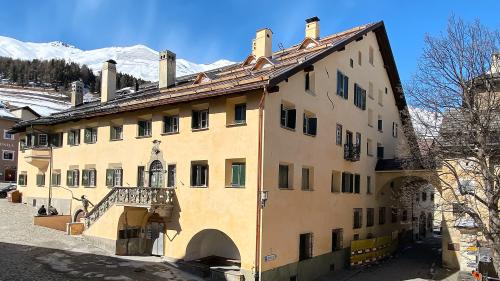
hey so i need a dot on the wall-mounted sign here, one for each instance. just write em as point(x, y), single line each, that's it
point(270, 257)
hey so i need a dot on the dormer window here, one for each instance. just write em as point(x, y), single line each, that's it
point(263, 63)
point(308, 43)
point(202, 78)
point(251, 59)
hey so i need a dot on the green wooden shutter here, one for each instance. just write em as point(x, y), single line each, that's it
point(235, 174)
point(282, 116)
point(346, 87)
point(69, 178)
point(121, 177)
point(85, 177)
point(195, 120)
point(291, 118)
point(109, 177)
point(242, 174)
point(313, 125)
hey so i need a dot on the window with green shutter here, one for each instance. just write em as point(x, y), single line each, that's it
point(342, 85)
point(171, 175)
point(56, 179)
point(240, 115)
point(90, 135)
point(357, 183)
point(40, 179)
point(114, 177)
point(288, 117)
point(116, 133)
point(74, 137)
point(238, 174)
point(171, 124)
point(23, 179)
point(144, 128)
point(89, 178)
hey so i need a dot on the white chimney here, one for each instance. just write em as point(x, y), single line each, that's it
point(167, 69)
point(495, 63)
point(76, 93)
point(312, 28)
point(262, 45)
point(108, 81)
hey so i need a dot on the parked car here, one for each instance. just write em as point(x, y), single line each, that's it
point(5, 189)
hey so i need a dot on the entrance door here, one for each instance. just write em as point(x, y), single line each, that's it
point(156, 174)
point(10, 175)
point(157, 236)
point(348, 138)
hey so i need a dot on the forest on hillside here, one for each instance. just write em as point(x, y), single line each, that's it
point(57, 74)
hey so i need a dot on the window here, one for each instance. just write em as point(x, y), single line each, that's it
point(284, 176)
point(404, 215)
point(56, 139)
point(394, 215)
point(89, 178)
point(40, 179)
point(199, 119)
point(380, 151)
point(305, 246)
point(358, 142)
point(355, 237)
point(114, 177)
point(358, 218)
point(144, 128)
point(370, 216)
point(43, 139)
point(381, 215)
point(240, 113)
point(288, 116)
point(342, 85)
point(141, 170)
point(432, 196)
point(238, 174)
point(369, 147)
point(386, 90)
point(347, 182)
point(73, 178)
point(116, 133)
point(424, 196)
point(337, 239)
point(338, 135)
point(370, 55)
point(56, 179)
point(360, 58)
point(335, 185)
point(7, 135)
point(370, 117)
point(171, 124)
point(370, 90)
point(369, 185)
point(7, 155)
point(380, 124)
point(74, 137)
point(310, 124)
point(171, 175)
point(351, 63)
point(394, 129)
point(307, 178)
point(380, 98)
point(23, 179)
point(359, 97)
point(466, 186)
point(90, 135)
point(357, 183)
point(199, 175)
point(307, 82)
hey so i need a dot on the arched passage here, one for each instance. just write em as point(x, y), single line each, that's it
point(211, 243)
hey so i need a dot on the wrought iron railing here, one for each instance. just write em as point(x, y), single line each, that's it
point(131, 196)
point(351, 152)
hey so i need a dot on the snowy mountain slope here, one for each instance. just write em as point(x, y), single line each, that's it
point(139, 60)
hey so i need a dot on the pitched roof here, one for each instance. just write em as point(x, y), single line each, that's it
point(238, 77)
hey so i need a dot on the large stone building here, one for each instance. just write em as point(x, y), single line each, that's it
point(272, 165)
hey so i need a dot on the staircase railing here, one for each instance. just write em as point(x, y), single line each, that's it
point(132, 196)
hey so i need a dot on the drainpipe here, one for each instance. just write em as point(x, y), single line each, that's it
point(258, 231)
point(50, 177)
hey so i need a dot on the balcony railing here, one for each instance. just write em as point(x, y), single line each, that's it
point(351, 152)
point(160, 199)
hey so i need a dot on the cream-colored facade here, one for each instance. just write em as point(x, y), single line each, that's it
point(256, 226)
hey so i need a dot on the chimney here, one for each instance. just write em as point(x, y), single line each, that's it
point(495, 63)
point(167, 69)
point(312, 28)
point(262, 45)
point(76, 93)
point(108, 81)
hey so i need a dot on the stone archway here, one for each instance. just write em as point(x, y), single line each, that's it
point(212, 244)
point(79, 214)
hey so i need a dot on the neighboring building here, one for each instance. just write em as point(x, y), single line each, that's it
point(9, 143)
point(272, 166)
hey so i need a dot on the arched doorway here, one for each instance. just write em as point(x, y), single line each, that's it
point(79, 214)
point(213, 247)
point(156, 174)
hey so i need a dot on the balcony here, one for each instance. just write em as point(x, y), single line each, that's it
point(351, 152)
point(38, 156)
point(159, 200)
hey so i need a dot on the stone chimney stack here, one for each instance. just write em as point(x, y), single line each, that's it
point(262, 45)
point(312, 28)
point(108, 81)
point(167, 69)
point(76, 93)
point(495, 63)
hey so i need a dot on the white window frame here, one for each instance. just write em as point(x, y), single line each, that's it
point(9, 151)
point(46, 143)
point(6, 134)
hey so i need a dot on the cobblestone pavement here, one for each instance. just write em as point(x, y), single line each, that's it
point(29, 252)
point(417, 262)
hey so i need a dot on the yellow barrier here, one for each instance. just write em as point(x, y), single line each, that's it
point(370, 250)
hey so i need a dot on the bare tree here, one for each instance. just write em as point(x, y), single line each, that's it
point(455, 97)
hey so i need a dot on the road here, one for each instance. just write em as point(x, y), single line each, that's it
point(29, 252)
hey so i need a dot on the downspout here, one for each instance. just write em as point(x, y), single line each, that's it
point(258, 225)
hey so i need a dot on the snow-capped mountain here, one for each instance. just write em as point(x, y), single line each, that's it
point(139, 60)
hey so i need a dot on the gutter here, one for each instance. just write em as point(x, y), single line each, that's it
point(258, 224)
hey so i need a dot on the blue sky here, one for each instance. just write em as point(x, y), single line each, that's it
point(204, 31)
